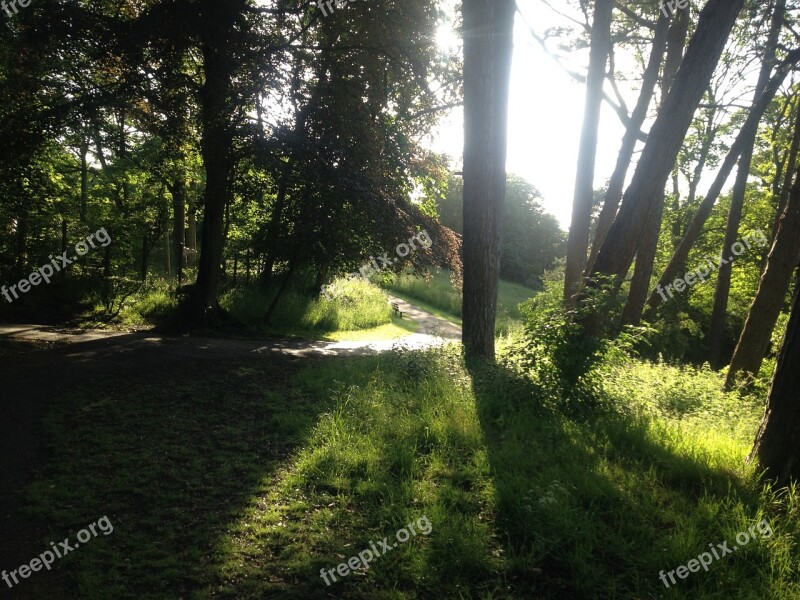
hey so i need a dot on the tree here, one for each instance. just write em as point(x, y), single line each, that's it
point(648, 245)
point(664, 142)
point(616, 184)
point(488, 47)
point(716, 333)
point(532, 239)
point(582, 203)
point(777, 444)
point(704, 210)
point(772, 288)
point(221, 29)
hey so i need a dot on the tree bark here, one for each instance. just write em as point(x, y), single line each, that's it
point(664, 142)
point(84, 201)
point(643, 271)
point(178, 191)
point(789, 166)
point(165, 249)
point(145, 254)
point(64, 241)
point(777, 444)
point(216, 148)
point(766, 307)
point(578, 241)
point(488, 48)
point(617, 182)
point(191, 235)
point(716, 332)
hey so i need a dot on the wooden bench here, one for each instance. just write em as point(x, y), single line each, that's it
point(396, 309)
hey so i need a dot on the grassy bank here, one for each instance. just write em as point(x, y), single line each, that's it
point(437, 295)
point(356, 310)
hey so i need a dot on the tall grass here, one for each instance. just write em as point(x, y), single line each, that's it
point(354, 305)
point(525, 500)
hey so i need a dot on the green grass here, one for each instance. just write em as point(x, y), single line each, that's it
point(438, 296)
point(354, 306)
point(244, 483)
point(357, 310)
point(399, 327)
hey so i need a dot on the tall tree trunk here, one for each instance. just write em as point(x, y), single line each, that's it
point(178, 191)
point(21, 245)
point(777, 445)
point(643, 271)
point(145, 254)
point(750, 125)
point(64, 242)
point(578, 241)
point(716, 332)
point(216, 148)
point(84, 201)
point(676, 44)
point(247, 266)
point(617, 182)
point(772, 288)
point(664, 142)
point(107, 270)
point(191, 235)
point(165, 249)
point(488, 48)
point(789, 168)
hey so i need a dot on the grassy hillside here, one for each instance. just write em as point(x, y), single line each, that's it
point(438, 295)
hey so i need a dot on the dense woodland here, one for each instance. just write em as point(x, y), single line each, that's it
point(251, 318)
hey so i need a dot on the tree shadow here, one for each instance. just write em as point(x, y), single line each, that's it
point(575, 523)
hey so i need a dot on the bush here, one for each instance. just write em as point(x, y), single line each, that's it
point(354, 305)
point(152, 304)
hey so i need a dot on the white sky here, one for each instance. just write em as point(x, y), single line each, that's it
point(545, 117)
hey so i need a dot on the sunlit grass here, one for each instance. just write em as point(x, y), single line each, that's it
point(258, 483)
point(398, 328)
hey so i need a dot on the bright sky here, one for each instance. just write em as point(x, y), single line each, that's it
point(545, 116)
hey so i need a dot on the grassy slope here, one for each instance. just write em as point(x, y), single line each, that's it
point(357, 311)
point(245, 485)
point(438, 296)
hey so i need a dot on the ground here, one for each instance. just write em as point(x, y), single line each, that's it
point(43, 363)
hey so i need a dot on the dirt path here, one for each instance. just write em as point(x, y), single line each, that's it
point(38, 363)
point(433, 331)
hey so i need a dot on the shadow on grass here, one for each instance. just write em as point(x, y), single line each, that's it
point(170, 447)
point(239, 478)
point(595, 505)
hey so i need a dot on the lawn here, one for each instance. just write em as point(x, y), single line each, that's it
point(250, 480)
